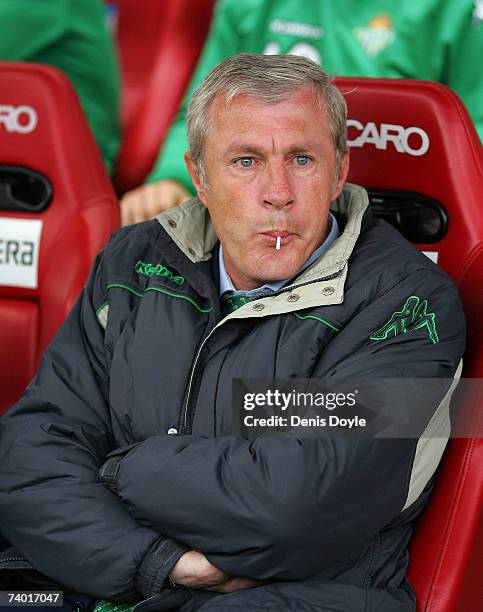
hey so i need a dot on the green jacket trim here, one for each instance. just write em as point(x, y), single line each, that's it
point(181, 297)
point(140, 295)
point(121, 286)
point(301, 317)
point(101, 307)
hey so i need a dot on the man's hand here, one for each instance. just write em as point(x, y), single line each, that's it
point(193, 570)
point(150, 199)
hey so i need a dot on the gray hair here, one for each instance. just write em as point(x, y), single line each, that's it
point(270, 79)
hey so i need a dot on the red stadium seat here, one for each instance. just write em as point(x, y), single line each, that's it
point(159, 44)
point(414, 147)
point(139, 30)
point(57, 209)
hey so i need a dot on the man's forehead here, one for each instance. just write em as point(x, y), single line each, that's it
point(246, 122)
point(236, 103)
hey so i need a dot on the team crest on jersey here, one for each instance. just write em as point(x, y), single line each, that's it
point(378, 35)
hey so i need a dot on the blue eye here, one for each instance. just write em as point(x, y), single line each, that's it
point(246, 162)
point(302, 160)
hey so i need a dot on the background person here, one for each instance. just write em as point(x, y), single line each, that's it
point(72, 36)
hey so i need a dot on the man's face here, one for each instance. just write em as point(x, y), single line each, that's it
point(271, 173)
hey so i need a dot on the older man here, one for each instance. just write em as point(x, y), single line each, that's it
point(256, 277)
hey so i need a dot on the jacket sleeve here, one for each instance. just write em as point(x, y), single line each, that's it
point(54, 509)
point(286, 507)
point(223, 40)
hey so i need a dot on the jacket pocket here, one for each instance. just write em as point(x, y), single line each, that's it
point(12, 559)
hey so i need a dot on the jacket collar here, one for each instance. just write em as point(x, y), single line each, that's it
point(190, 228)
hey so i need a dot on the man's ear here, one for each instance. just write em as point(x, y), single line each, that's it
point(341, 179)
point(193, 171)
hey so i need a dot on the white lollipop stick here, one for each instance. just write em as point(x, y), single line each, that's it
point(277, 246)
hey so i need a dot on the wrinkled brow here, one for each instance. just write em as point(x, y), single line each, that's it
point(242, 148)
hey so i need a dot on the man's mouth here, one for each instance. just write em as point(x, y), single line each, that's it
point(280, 236)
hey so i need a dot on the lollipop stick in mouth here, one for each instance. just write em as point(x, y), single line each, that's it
point(277, 246)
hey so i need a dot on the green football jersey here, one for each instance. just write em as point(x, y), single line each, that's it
point(437, 40)
point(72, 36)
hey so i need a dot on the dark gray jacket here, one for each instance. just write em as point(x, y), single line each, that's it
point(145, 355)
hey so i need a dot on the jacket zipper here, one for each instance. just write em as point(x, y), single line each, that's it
point(259, 297)
point(190, 383)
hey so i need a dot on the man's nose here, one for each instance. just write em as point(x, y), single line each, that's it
point(278, 188)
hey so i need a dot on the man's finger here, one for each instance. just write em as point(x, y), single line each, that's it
point(126, 210)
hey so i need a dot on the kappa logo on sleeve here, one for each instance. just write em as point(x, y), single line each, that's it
point(413, 315)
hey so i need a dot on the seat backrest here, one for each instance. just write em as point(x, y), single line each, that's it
point(57, 209)
point(139, 28)
point(414, 147)
point(174, 51)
